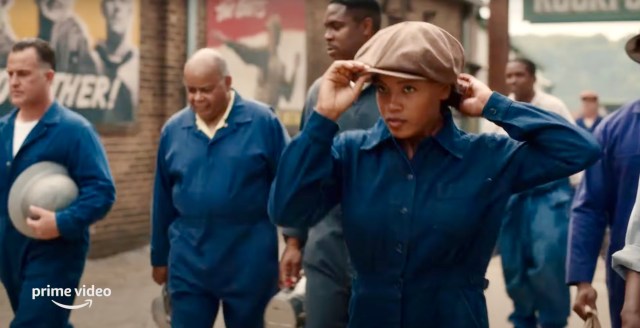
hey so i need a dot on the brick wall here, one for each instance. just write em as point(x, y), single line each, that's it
point(132, 152)
point(202, 23)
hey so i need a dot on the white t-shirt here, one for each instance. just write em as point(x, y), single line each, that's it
point(20, 132)
point(628, 258)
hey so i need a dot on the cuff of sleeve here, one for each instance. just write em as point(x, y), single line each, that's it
point(300, 234)
point(574, 278)
point(320, 128)
point(497, 107)
point(67, 228)
point(625, 259)
point(159, 257)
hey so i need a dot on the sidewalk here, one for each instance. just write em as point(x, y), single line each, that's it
point(128, 275)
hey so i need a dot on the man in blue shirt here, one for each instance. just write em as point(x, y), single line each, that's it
point(348, 25)
point(211, 236)
point(605, 199)
point(533, 238)
point(40, 129)
point(590, 107)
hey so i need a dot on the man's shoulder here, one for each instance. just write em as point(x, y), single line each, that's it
point(178, 118)
point(619, 118)
point(252, 108)
point(312, 92)
point(72, 118)
point(550, 101)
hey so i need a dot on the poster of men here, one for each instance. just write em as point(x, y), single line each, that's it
point(96, 44)
point(264, 43)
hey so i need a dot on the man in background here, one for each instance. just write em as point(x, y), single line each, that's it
point(590, 116)
point(533, 239)
point(348, 25)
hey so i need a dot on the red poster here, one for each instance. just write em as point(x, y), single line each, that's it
point(264, 44)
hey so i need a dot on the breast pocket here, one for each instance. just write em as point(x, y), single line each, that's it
point(458, 207)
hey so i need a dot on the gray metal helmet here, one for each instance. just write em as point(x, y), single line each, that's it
point(161, 309)
point(44, 184)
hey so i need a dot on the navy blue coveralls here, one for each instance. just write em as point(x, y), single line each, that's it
point(533, 244)
point(421, 232)
point(604, 199)
point(210, 222)
point(64, 137)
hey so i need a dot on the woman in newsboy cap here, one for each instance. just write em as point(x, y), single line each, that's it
point(422, 201)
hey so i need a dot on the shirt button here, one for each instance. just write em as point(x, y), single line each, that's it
point(8, 164)
point(404, 210)
point(399, 284)
point(409, 177)
point(493, 111)
point(399, 248)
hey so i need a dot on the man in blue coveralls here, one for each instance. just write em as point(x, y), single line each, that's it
point(212, 240)
point(40, 129)
point(605, 199)
point(533, 237)
point(348, 25)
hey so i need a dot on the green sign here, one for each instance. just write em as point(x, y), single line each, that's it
point(561, 11)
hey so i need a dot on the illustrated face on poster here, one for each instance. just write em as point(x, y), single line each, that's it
point(96, 45)
point(118, 14)
point(56, 10)
point(264, 44)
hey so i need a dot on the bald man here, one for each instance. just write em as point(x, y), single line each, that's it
point(211, 237)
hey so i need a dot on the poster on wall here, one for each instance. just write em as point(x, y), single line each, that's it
point(264, 43)
point(96, 45)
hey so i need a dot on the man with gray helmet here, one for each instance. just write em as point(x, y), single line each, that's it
point(40, 129)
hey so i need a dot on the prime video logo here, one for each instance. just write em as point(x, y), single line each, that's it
point(84, 291)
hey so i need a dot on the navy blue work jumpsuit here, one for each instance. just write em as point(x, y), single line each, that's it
point(67, 138)
point(420, 232)
point(210, 223)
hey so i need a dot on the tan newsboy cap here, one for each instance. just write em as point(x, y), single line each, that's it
point(633, 48)
point(414, 50)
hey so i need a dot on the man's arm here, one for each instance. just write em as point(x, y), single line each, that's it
point(295, 238)
point(589, 214)
point(163, 213)
point(630, 314)
point(300, 235)
point(89, 168)
point(561, 109)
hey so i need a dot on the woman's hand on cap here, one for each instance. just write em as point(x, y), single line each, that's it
point(475, 95)
point(338, 91)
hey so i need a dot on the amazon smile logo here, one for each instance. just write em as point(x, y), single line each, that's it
point(82, 292)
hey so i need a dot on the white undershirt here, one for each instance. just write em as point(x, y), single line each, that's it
point(20, 132)
point(588, 122)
